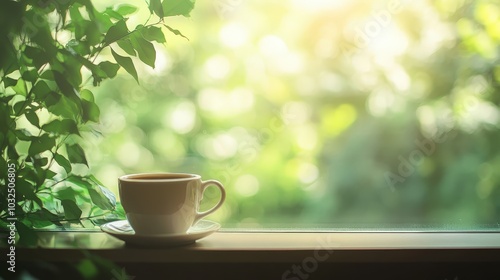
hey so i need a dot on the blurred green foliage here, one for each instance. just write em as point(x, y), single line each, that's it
point(322, 114)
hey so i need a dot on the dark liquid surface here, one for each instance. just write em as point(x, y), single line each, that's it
point(160, 176)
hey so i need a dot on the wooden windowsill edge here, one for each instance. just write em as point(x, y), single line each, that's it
point(265, 247)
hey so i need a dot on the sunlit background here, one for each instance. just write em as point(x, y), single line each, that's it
point(320, 114)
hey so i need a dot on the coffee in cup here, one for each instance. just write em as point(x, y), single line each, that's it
point(164, 203)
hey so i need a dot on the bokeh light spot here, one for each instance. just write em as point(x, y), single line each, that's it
point(247, 185)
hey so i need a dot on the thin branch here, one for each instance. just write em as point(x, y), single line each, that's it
point(60, 181)
point(124, 36)
point(59, 145)
point(84, 218)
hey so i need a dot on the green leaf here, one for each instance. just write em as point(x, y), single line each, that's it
point(30, 75)
point(65, 126)
point(63, 106)
point(76, 154)
point(126, 9)
point(155, 7)
point(40, 90)
point(49, 174)
point(51, 99)
point(177, 7)
point(90, 111)
point(71, 210)
point(79, 181)
point(91, 33)
point(66, 88)
point(175, 31)
point(11, 150)
point(42, 161)
point(19, 108)
point(11, 138)
point(77, 21)
point(43, 36)
point(107, 195)
point(3, 166)
point(41, 173)
point(153, 33)
point(126, 45)
point(145, 49)
point(100, 200)
point(109, 68)
point(67, 193)
point(43, 218)
point(20, 87)
point(119, 211)
point(27, 236)
point(37, 55)
point(23, 134)
point(99, 195)
point(49, 215)
point(63, 162)
point(78, 47)
point(48, 75)
point(116, 32)
point(113, 14)
point(94, 180)
point(41, 144)
point(8, 63)
point(98, 75)
point(24, 188)
point(32, 118)
point(8, 82)
point(126, 63)
point(86, 94)
point(103, 22)
point(3, 101)
point(5, 115)
point(71, 67)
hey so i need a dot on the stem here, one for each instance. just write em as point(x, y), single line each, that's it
point(46, 191)
point(38, 190)
point(84, 218)
point(25, 104)
point(57, 148)
point(149, 17)
point(124, 36)
point(60, 181)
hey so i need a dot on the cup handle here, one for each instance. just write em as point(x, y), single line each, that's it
point(204, 185)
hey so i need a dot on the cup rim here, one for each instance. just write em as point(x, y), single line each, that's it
point(130, 177)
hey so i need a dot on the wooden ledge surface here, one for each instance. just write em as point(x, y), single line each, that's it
point(261, 247)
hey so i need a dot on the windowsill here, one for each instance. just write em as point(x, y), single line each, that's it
point(284, 255)
point(275, 247)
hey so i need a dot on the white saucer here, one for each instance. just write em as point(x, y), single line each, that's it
point(123, 231)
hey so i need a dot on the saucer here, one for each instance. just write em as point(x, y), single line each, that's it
point(123, 231)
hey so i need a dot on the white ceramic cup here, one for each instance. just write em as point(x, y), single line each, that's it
point(164, 203)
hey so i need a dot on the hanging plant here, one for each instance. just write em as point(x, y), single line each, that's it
point(52, 54)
